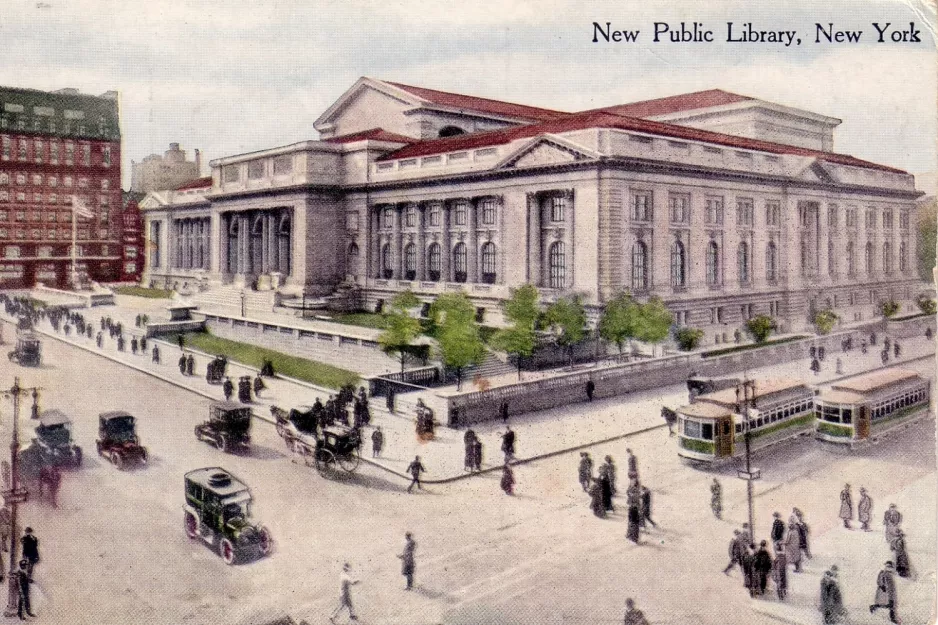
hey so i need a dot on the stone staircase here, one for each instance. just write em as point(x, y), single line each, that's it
point(492, 366)
point(228, 297)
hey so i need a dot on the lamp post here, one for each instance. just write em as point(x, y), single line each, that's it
point(746, 393)
point(14, 495)
point(243, 299)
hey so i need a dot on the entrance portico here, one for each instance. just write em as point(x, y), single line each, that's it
point(257, 245)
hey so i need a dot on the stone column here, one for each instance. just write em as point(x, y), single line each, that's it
point(446, 244)
point(824, 234)
point(244, 242)
point(659, 252)
point(397, 262)
point(373, 240)
point(421, 242)
point(472, 244)
point(534, 272)
point(217, 245)
point(696, 250)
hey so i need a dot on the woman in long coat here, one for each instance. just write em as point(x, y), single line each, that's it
point(634, 518)
point(865, 510)
point(605, 485)
point(892, 519)
point(793, 547)
point(832, 603)
point(596, 499)
point(508, 480)
point(846, 506)
point(780, 571)
point(903, 567)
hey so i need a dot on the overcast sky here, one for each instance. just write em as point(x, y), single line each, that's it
point(230, 76)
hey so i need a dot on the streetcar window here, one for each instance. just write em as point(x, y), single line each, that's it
point(739, 428)
point(707, 431)
point(692, 429)
point(846, 416)
point(726, 427)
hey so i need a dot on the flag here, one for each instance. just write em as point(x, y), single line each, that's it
point(81, 208)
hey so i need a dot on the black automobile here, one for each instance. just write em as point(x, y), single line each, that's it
point(228, 426)
point(28, 351)
point(118, 440)
point(54, 440)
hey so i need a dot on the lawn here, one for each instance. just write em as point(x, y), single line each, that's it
point(361, 319)
point(310, 371)
point(139, 291)
point(748, 346)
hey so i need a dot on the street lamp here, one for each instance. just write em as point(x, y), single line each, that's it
point(13, 494)
point(243, 298)
point(746, 391)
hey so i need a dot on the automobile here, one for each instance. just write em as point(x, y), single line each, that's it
point(118, 440)
point(228, 426)
point(218, 511)
point(28, 350)
point(54, 440)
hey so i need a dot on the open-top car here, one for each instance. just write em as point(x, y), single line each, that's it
point(117, 439)
point(28, 351)
point(218, 510)
point(54, 440)
point(228, 426)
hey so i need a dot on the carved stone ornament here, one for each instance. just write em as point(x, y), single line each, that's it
point(490, 235)
point(435, 236)
point(410, 237)
point(460, 236)
point(558, 233)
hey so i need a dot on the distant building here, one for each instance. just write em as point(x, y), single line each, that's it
point(56, 146)
point(156, 173)
point(132, 244)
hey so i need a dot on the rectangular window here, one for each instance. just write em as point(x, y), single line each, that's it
point(106, 156)
point(679, 208)
point(436, 211)
point(86, 155)
point(744, 212)
point(232, 173)
point(832, 216)
point(642, 206)
point(283, 165)
point(351, 221)
point(870, 219)
point(558, 208)
point(38, 150)
point(904, 220)
point(460, 210)
point(69, 153)
point(54, 152)
point(255, 170)
point(714, 210)
point(21, 154)
point(5, 147)
point(488, 212)
point(887, 218)
point(773, 214)
point(850, 217)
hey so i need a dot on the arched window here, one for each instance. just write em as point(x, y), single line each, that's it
point(387, 268)
point(903, 262)
point(869, 258)
point(771, 262)
point(713, 263)
point(434, 262)
point(488, 263)
point(639, 266)
point(887, 258)
point(410, 261)
point(450, 131)
point(678, 265)
point(351, 259)
point(557, 277)
point(742, 260)
point(851, 261)
point(460, 263)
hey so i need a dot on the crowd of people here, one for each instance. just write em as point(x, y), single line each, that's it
point(602, 488)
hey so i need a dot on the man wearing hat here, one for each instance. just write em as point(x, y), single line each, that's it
point(886, 592)
point(865, 510)
point(846, 506)
point(778, 528)
point(23, 580)
point(346, 581)
point(30, 549)
point(832, 605)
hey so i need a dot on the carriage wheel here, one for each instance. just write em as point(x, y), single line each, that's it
point(192, 525)
point(309, 453)
point(266, 542)
point(281, 431)
point(117, 460)
point(350, 461)
point(223, 443)
point(325, 460)
point(227, 551)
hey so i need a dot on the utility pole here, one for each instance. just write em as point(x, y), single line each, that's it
point(746, 394)
point(14, 494)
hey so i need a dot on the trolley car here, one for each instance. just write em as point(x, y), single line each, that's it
point(857, 408)
point(711, 429)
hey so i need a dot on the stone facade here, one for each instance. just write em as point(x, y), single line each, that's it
point(156, 173)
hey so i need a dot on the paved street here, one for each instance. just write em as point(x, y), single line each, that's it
point(482, 556)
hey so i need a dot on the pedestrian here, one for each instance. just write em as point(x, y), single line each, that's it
point(595, 492)
point(30, 549)
point(468, 439)
point(846, 506)
point(928, 333)
point(778, 528)
point(508, 480)
point(190, 365)
point(477, 454)
point(377, 442)
point(50, 479)
point(408, 564)
point(832, 603)
point(903, 567)
point(863, 346)
point(892, 520)
point(346, 581)
point(716, 498)
point(585, 471)
point(134, 345)
point(415, 468)
point(605, 488)
point(181, 341)
point(895, 350)
point(748, 565)
point(735, 552)
point(227, 386)
point(803, 534)
point(137, 321)
point(508, 445)
point(68, 330)
point(633, 465)
point(816, 366)
point(504, 411)
point(840, 367)
point(864, 510)
point(260, 386)
point(362, 398)
point(780, 571)
point(24, 578)
point(872, 338)
point(611, 472)
point(120, 342)
point(590, 389)
point(89, 330)
point(793, 546)
point(635, 516)
point(645, 506)
point(143, 344)
point(244, 389)
point(389, 399)
point(634, 616)
point(99, 340)
point(156, 354)
point(884, 356)
point(182, 364)
point(763, 566)
point(886, 596)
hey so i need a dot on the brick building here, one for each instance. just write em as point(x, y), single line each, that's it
point(55, 146)
point(132, 243)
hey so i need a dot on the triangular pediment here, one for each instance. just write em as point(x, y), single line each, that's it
point(362, 88)
point(545, 151)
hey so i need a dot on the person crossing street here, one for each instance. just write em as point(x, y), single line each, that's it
point(415, 468)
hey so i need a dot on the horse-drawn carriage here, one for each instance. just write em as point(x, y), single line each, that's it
point(327, 448)
point(28, 351)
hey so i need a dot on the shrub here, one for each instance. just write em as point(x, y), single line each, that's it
point(760, 327)
point(926, 305)
point(825, 320)
point(688, 338)
point(889, 308)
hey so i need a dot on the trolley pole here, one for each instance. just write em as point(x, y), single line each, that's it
point(15, 495)
point(745, 394)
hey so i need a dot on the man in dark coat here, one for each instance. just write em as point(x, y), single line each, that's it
point(645, 506)
point(182, 364)
point(865, 510)
point(832, 603)
point(633, 465)
point(585, 470)
point(886, 596)
point(120, 342)
point(23, 579)
point(590, 389)
point(903, 567)
point(477, 454)
point(605, 488)
point(508, 480)
point(227, 387)
point(408, 563)
point(504, 411)
point(846, 506)
point(633, 616)
point(134, 345)
point(748, 565)
point(30, 549)
point(716, 498)
point(508, 444)
point(156, 354)
point(259, 386)
point(735, 552)
point(377, 442)
point(780, 571)
point(389, 400)
point(415, 468)
point(635, 516)
point(778, 528)
point(190, 365)
point(468, 439)
point(762, 565)
point(100, 340)
point(595, 492)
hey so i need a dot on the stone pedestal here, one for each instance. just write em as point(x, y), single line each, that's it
point(181, 312)
point(263, 282)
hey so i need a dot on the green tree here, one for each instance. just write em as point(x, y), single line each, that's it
point(926, 305)
point(927, 238)
point(760, 327)
point(889, 308)
point(521, 311)
point(688, 338)
point(401, 328)
point(618, 320)
point(567, 318)
point(825, 320)
point(654, 322)
point(457, 333)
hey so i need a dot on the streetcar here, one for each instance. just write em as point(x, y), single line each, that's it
point(711, 428)
point(861, 407)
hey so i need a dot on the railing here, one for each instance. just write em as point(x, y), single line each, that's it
point(410, 380)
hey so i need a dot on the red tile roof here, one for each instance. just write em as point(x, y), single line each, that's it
point(675, 103)
point(603, 119)
point(376, 134)
point(198, 183)
point(483, 105)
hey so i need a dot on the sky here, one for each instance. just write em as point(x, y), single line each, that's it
point(233, 76)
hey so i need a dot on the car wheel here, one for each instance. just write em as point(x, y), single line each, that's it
point(143, 455)
point(192, 525)
point(223, 443)
point(266, 542)
point(98, 446)
point(227, 551)
point(117, 460)
point(198, 433)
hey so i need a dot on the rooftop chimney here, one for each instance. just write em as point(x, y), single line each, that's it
point(198, 161)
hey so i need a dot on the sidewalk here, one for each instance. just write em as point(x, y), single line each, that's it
point(539, 434)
